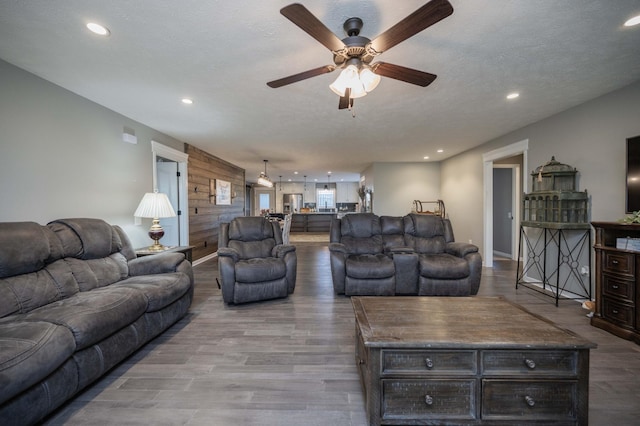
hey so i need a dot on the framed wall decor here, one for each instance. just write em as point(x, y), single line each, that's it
point(222, 192)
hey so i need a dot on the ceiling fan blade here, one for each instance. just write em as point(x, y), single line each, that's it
point(407, 75)
point(301, 76)
point(300, 15)
point(345, 101)
point(427, 15)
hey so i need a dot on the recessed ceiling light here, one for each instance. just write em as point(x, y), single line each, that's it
point(98, 29)
point(440, 151)
point(633, 21)
point(295, 173)
point(187, 101)
point(513, 95)
point(426, 157)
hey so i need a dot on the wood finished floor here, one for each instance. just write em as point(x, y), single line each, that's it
point(291, 361)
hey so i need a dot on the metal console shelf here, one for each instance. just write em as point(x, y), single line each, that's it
point(568, 244)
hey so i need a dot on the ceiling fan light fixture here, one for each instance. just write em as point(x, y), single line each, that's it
point(348, 78)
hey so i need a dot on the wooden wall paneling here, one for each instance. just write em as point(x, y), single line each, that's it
point(204, 215)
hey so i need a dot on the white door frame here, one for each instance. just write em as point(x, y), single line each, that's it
point(181, 158)
point(488, 158)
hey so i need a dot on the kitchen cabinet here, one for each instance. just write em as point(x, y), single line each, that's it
point(347, 192)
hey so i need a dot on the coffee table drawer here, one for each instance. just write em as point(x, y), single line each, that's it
point(531, 363)
point(428, 399)
point(429, 362)
point(529, 400)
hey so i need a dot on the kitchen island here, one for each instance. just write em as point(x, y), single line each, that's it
point(311, 222)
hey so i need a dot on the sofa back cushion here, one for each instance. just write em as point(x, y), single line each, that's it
point(424, 233)
point(252, 237)
point(392, 232)
point(92, 249)
point(32, 273)
point(361, 233)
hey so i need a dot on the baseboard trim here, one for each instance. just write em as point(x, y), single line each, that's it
point(204, 259)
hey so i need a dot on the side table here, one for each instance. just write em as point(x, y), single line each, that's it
point(186, 250)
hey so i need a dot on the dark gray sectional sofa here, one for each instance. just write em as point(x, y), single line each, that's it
point(74, 302)
point(414, 254)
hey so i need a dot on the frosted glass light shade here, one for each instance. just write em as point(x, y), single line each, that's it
point(369, 79)
point(155, 205)
point(348, 78)
point(265, 181)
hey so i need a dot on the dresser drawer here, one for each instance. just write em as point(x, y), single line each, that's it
point(531, 363)
point(617, 312)
point(619, 262)
point(429, 362)
point(529, 400)
point(617, 287)
point(428, 399)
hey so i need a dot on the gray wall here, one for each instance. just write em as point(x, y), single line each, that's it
point(62, 156)
point(398, 184)
point(591, 137)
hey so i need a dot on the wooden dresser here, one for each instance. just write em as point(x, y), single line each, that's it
point(467, 361)
point(617, 275)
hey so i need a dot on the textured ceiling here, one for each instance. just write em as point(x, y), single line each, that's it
point(557, 54)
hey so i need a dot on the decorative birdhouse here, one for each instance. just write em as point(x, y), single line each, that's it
point(554, 201)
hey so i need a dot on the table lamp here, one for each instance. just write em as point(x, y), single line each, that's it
point(155, 205)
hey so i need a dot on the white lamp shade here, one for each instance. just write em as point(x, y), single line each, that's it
point(265, 181)
point(155, 205)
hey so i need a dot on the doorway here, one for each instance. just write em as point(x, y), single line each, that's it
point(170, 177)
point(489, 158)
point(506, 188)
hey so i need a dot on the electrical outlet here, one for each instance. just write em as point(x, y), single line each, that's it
point(470, 241)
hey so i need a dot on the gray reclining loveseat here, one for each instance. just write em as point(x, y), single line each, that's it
point(74, 302)
point(411, 255)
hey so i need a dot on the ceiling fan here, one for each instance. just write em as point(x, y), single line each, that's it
point(354, 54)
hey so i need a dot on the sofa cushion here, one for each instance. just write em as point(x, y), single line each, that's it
point(93, 315)
point(23, 293)
point(370, 266)
point(95, 273)
point(160, 290)
point(425, 233)
point(86, 238)
point(443, 266)
point(24, 248)
point(360, 225)
point(260, 269)
point(392, 232)
point(29, 352)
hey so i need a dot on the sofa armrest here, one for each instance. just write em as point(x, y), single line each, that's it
point(229, 252)
point(280, 250)
point(156, 264)
point(337, 248)
point(460, 249)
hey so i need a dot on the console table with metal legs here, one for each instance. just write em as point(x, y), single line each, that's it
point(556, 254)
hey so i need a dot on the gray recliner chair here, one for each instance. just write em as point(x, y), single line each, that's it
point(445, 267)
point(253, 263)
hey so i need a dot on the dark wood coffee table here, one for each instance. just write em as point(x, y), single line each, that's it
point(467, 360)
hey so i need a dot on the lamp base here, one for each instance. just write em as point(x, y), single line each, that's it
point(155, 233)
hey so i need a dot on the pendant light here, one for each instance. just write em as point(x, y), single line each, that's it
point(263, 179)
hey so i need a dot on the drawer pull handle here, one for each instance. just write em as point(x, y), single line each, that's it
point(530, 364)
point(615, 262)
point(530, 402)
point(428, 399)
point(615, 287)
point(429, 363)
point(615, 311)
